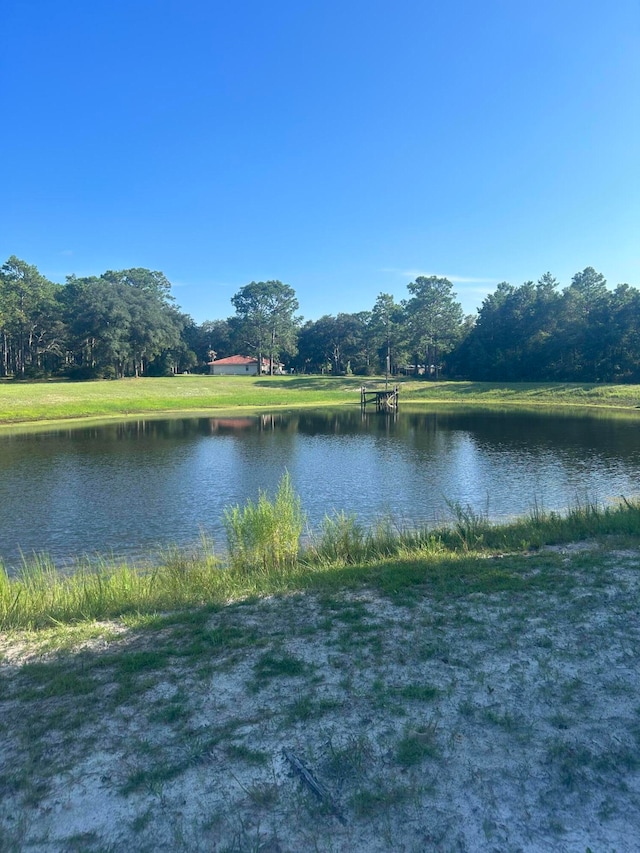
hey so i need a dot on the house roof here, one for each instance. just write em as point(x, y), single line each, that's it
point(241, 361)
point(238, 360)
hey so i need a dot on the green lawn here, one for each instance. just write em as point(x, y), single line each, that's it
point(29, 402)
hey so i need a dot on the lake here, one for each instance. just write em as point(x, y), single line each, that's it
point(131, 488)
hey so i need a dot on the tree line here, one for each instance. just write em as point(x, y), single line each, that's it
point(126, 323)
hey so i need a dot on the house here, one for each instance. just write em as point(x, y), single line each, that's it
point(241, 365)
point(234, 365)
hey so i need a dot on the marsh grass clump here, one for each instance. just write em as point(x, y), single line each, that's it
point(265, 534)
point(40, 594)
point(342, 540)
point(468, 526)
point(584, 520)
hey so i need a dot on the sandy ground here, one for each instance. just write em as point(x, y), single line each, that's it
point(493, 722)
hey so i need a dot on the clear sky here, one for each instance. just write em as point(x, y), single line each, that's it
point(341, 146)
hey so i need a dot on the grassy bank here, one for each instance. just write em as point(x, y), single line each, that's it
point(50, 401)
point(264, 560)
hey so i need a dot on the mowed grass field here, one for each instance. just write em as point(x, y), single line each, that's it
point(30, 402)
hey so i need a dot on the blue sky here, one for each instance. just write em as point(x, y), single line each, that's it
point(341, 147)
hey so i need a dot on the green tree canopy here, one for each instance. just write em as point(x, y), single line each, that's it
point(30, 318)
point(148, 281)
point(266, 315)
point(387, 332)
point(433, 319)
point(121, 322)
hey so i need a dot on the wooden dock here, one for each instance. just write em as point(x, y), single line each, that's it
point(384, 401)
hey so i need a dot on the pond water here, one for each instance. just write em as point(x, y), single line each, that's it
point(131, 488)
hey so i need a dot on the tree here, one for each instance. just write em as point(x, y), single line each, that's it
point(484, 350)
point(623, 341)
point(513, 337)
point(387, 331)
point(341, 344)
point(30, 318)
point(119, 324)
point(582, 327)
point(152, 282)
point(99, 319)
point(265, 312)
point(210, 336)
point(349, 343)
point(433, 318)
point(154, 328)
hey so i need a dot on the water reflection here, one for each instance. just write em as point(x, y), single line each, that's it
point(135, 486)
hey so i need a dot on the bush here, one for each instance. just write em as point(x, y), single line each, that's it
point(79, 373)
point(34, 372)
point(84, 373)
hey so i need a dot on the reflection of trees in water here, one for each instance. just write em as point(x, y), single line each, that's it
point(512, 430)
point(505, 428)
point(534, 432)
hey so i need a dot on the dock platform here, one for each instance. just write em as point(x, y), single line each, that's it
point(384, 401)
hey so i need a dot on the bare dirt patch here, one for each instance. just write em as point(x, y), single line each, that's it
point(507, 721)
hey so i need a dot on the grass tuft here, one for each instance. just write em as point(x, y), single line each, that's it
point(265, 535)
point(416, 745)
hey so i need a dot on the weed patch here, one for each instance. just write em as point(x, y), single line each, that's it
point(273, 665)
point(416, 745)
point(265, 535)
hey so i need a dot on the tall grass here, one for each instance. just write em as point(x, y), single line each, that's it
point(266, 534)
point(265, 556)
point(341, 539)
